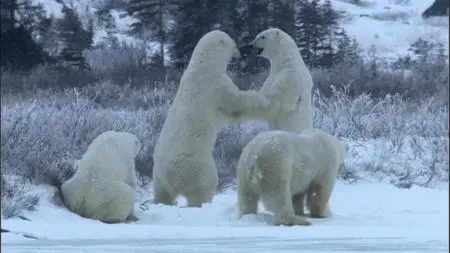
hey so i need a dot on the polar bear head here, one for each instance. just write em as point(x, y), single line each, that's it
point(269, 44)
point(128, 141)
point(216, 48)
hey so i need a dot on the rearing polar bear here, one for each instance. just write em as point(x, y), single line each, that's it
point(206, 99)
point(289, 81)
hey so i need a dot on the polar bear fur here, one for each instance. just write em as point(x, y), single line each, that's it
point(289, 81)
point(206, 100)
point(103, 187)
point(281, 168)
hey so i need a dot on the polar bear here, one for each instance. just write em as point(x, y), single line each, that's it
point(103, 187)
point(206, 100)
point(282, 168)
point(289, 80)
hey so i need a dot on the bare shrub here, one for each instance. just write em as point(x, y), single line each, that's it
point(16, 198)
point(45, 77)
point(364, 117)
point(35, 141)
point(125, 63)
point(119, 97)
point(228, 147)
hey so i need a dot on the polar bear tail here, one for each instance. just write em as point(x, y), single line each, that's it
point(261, 164)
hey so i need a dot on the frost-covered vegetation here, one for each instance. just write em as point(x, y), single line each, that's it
point(75, 85)
point(395, 121)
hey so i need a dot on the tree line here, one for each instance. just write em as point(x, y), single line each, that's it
point(176, 25)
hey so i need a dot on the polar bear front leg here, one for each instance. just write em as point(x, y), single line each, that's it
point(203, 189)
point(161, 195)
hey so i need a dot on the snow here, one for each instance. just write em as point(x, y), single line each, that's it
point(402, 25)
point(388, 26)
point(366, 216)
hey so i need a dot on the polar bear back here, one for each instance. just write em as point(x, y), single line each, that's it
point(194, 106)
point(277, 154)
point(110, 156)
point(317, 150)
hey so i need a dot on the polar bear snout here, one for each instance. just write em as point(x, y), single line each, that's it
point(250, 50)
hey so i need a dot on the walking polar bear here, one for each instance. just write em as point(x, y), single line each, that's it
point(206, 99)
point(289, 81)
point(103, 187)
point(282, 168)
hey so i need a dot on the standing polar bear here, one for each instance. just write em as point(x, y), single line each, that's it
point(206, 99)
point(289, 80)
point(282, 168)
point(103, 187)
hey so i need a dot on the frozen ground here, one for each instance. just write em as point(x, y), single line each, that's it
point(367, 216)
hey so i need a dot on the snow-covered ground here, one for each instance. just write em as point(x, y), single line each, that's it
point(367, 216)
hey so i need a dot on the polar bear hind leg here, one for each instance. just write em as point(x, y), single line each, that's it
point(117, 206)
point(247, 198)
point(278, 199)
point(199, 197)
point(162, 195)
point(319, 194)
point(206, 184)
point(298, 201)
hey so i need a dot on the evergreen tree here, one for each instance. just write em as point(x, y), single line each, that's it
point(330, 33)
point(283, 16)
point(47, 35)
point(256, 17)
point(152, 18)
point(348, 49)
point(8, 17)
point(309, 36)
point(193, 19)
point(321, 41)
point(76, 39)
point(19, 20)
point(231, 19)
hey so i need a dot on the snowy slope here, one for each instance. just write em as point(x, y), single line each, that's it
point(389, 26)
point(366, 217)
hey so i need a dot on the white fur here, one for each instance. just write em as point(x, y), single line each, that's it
point(103, 187)
point(206, 99)
point(289, 81)
point(282, 168)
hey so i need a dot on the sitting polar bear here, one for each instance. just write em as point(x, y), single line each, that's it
point(282, 168)
point(206, 100)
point(289, 80)
point(103, 187)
